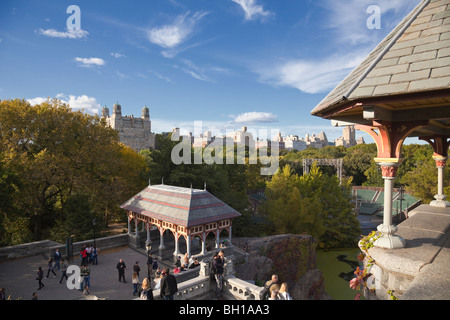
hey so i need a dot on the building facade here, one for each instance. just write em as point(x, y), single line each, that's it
point(133, 132)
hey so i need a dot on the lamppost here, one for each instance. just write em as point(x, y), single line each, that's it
point(148, 247)
point(94, 222)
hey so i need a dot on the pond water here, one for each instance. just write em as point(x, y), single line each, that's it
point(337, 267)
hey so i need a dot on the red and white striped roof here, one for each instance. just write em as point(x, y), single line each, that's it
point(178, 205)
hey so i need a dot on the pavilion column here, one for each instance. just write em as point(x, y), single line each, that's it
point(136, 227)
point(440, 146)
point(388, 239)
point(204, 244)
point(161, 239)
point(177, 250)
point(217, 238)
point(440, 197)
point(188, 245)
point(229, 236)
point(129, 224)
point(149, 240)
point(389, 137)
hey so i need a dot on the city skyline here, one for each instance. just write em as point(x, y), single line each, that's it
point(231, 63)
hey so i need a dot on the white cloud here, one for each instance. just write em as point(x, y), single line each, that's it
point(252, 117)
point(312, 76)
point(252, 10)
point(88, 62)
point(87, 104)
point(117, 55)
point(69, 34)
point(172, 35)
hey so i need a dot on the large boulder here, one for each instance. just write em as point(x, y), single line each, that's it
point(292, 257)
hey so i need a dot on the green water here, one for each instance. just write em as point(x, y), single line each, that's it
point(327, 261)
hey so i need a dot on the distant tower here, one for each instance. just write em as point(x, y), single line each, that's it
point(145, 113)
point(349, 136)
point(105, 112)
point(117, 110)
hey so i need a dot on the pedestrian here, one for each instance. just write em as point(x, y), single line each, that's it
point(270, 286)
point(135, 281)
point(86, 273)
point(283, 293)
point(50, 268)
point(186, 261)
point(149, 265)
point(155, 264)
point(217, 266)
point(168, 286)
point(121, 267)
point(64, 270)
point(88, 254)
point(57, 258)
point(136, 268)
point(2, 294)
point(95, 252)
point(83, 255)
point(35, 296)
point(39, 277)
point(146, 291)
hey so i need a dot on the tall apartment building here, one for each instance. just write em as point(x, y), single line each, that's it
point(133, 132)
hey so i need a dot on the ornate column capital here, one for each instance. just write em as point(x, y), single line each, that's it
point(389, 166)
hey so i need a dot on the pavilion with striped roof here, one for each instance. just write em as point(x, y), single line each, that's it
point(186, 212)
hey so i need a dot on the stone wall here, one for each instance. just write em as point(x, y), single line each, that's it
point(47, 247)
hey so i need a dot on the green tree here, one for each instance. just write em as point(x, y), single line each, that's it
point(56, 153)
point(315, 204)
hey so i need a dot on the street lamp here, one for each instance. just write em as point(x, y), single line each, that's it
point(148, 247)
point(94, 222)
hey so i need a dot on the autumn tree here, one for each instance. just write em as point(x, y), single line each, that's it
point(55, 153)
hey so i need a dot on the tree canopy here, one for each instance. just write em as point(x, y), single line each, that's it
point(50, 153)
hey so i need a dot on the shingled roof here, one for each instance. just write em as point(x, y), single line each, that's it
point(181, 206)
point(408, 68)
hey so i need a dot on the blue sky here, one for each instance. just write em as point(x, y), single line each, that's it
point(263, 64)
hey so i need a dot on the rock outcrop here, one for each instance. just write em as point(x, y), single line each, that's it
point(292, 257)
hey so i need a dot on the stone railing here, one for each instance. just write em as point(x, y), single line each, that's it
point(203, 287)
point(240, 289)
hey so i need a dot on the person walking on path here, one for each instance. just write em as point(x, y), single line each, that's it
point(217, 266)
point(83, 255)
point(95, 252)
point(168, 285)
point(135, 281)
point(39, 277)
point(136, 268)
point(86, 273)
point(121, 267)
point(64, 271)
point(50, 268)
point(57, 258)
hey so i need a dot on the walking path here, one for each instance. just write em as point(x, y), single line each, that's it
point(17, 276)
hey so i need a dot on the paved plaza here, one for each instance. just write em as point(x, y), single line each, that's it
point(17, 276)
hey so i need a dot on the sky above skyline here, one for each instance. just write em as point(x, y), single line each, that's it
point(263, 64)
